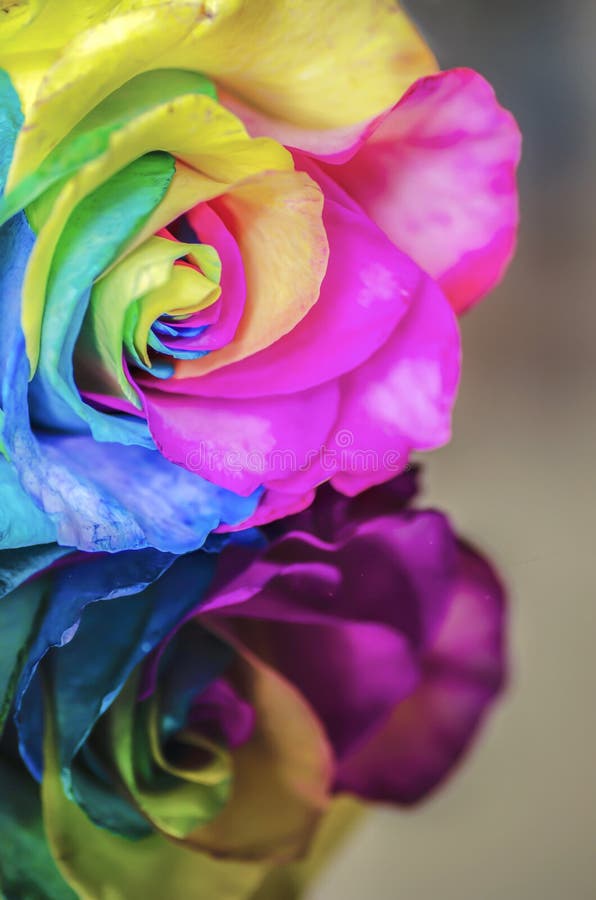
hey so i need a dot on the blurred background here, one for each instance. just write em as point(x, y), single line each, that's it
point(518, 821)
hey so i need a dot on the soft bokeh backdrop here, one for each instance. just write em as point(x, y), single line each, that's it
point(518, 821)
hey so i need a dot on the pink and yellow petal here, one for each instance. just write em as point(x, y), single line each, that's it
point(438, 175)
point(217, 147)
point(366, 289)
point(346, 61)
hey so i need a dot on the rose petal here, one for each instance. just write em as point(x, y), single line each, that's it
point(281, 775)
point(462, 674)
point(438, 175)
point(401, 398)
point(361, 57)
point(241, 444)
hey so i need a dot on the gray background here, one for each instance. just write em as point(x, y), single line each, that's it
point(518, 822)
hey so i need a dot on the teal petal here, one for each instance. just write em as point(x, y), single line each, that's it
point(11, 119)
point(22, 523)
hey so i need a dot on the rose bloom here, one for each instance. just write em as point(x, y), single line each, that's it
point(203, 713)
point(235, 237)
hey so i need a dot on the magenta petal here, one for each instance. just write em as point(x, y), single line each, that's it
point(344, 621)
point(462, 675)
point(211, 230)
point(240, 444)
point(438, 175)
point(274, 505)
point(401, 398)
point(220, 710)
point(351, 673)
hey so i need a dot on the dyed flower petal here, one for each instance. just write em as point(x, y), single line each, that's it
point(96, 509)
point(91, 138)
point(22, 522)
point(438, 175)
point(219, 149)
point(241, 444)
point(281, 775)
point(95, 233)
point(88, 488)
point(211, 230)
point(18, 615)
point(462, 673)
point(11, 119)
point(194, 794)
point(74, 588)
point(109, 325)
point(401, 398)
point(304, 592)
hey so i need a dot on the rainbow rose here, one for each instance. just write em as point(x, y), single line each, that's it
point(194, 719)
point(235, 234)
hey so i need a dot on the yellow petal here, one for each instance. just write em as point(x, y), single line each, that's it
point(291, 881)
point(93, 65)
point(194, 797)
point(147, 278)
point(187, 288)
point(315, 64)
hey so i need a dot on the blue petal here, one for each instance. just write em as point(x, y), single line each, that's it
point(112, 497)
point(74, 588)
point(88, 672)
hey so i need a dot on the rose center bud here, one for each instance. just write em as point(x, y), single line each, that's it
point(149, 310)
point(167, 321)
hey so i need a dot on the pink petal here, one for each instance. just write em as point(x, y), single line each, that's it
point(462, 675)
point(438, 175)
point(241, 444)
point(400, 399)
point(211, 230)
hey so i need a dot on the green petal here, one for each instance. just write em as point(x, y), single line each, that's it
point(11, 120)
point(27, 870)
point(98, 228)
point(91, 137)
